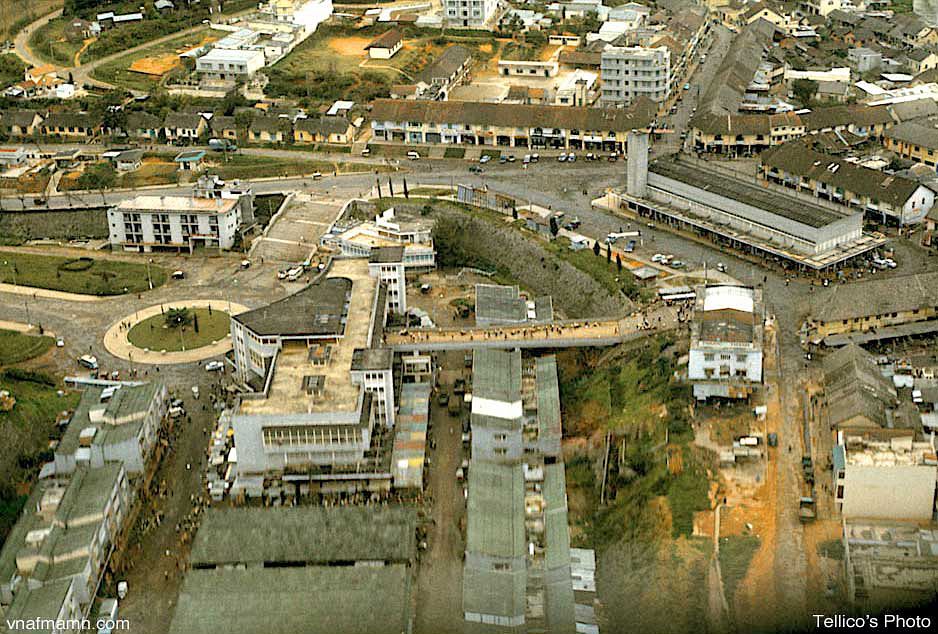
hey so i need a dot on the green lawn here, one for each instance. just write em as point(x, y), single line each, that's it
point(247, 166)
point(90, 276)
point(16, 346)
point(154, 334)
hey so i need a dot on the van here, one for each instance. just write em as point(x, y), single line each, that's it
point(179, 275)
point(366, 151)
point(176, 412)
point(88, 361)
point(413, 156)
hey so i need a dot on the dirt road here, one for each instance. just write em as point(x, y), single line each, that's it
point(439, 580)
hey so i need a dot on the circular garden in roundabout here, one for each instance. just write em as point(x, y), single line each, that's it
point(180, 328)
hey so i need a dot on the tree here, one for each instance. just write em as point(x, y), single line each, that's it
point(176, 317)
point(596, 248)
point(804, 90)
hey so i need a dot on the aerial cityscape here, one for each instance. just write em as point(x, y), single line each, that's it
point(468, 316)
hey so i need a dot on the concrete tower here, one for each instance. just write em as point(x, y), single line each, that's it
point(637, 168)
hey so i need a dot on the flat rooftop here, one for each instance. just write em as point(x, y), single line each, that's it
point(794, 209)
point(334, 599)
point(305, 534)
point(288, 393)
point(178, 204)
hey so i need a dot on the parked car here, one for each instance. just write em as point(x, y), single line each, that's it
point(59, 342)
point(214, 366)
point(571, 157)
point(630, 247)
point(562, 158)
point(413, 156)
point(535, 157)
point(179, 275)
point(89, 361)
point(485, 158)
point(475, 169)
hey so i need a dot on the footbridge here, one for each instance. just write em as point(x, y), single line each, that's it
point(555, 334)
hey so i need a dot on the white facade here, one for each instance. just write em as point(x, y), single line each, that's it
point(392, 274)
point(222, 63)
point(470, 13)
point(726, 342)
point(630, 72)
point(174, 222)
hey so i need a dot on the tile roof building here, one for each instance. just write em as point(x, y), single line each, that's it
point(882, 197)
point(507, 125)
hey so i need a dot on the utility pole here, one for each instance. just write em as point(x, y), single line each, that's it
point(149, 279)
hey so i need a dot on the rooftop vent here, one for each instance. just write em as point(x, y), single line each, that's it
point(314, 384)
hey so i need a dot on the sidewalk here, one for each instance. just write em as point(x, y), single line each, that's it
point(48, 294)
point(115, 339)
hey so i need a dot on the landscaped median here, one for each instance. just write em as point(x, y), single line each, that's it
point(82, 275)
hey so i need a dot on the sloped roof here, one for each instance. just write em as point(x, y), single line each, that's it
point(639, 115)
point(797, 158)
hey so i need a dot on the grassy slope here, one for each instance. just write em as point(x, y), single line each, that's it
point(25, 431)
point(16, 346)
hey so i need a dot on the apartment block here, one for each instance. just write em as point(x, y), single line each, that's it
point(630, 72)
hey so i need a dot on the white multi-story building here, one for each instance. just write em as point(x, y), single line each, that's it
point(470, 13)
point(53, 558)
point(113, 424)
point(210, 218)
point(726, 342)
point(630, 72)
point(226, 63)
point(321, 391)
point(387, 230)
point(387, 264)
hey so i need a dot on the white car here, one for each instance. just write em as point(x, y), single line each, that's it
point(562, 158)
point(60, 343)
point(214, 366)
point(658, 257)
point(571, 158)
point(485, 159)
point(413, 156)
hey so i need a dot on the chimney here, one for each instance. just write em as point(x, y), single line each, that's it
point(637, 167)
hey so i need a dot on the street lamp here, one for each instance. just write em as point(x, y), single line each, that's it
point(149, 279)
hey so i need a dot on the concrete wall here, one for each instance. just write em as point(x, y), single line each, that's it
point(896, 493)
